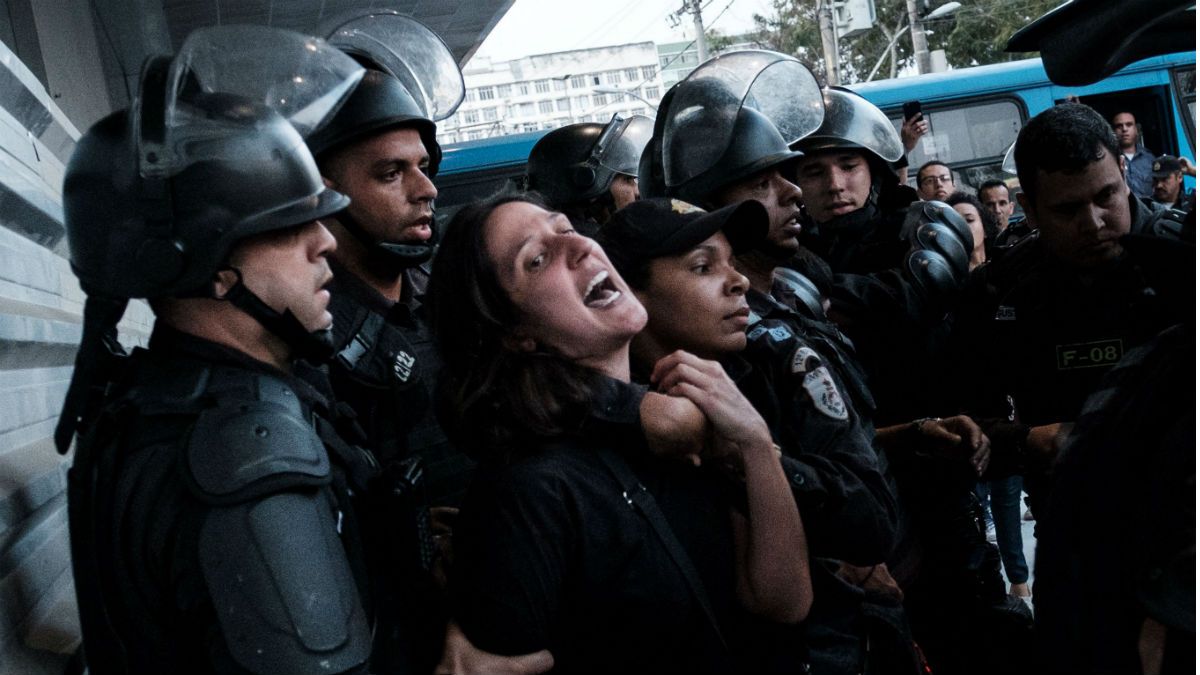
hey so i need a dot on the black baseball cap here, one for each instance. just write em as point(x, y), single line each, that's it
point(1165, 166)
point(656, 228)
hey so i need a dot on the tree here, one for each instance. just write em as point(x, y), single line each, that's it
point(974, 35)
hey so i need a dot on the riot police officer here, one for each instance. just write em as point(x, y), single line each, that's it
point(736, 149)
point(209, 510)
point(910, 256)
point(589, 170)
point(380, 150)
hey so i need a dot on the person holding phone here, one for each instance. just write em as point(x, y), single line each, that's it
point(911, 130)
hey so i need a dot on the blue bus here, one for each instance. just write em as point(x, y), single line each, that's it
point(974, 115)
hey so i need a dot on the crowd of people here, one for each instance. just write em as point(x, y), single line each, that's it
point(713, 393)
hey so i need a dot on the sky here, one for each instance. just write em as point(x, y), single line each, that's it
point(545, 26)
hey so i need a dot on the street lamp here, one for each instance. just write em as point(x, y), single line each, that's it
point(917, 26)
point(938, 13)
point(626, 92)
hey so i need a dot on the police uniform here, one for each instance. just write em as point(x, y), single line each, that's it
point(385, 370)
point(211, 500)
point(1118, 540)
point(1037, 338)
point(213, 524)
point(795, 371)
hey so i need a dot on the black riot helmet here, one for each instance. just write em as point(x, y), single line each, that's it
point(412, 82)
point(733, 116)
point(577, 163)
point(378, 103)
point(210, 152)
point(852, 121)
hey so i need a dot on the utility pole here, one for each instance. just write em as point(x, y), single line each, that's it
point(920, 45)
point(693, 7)
point(829, 44)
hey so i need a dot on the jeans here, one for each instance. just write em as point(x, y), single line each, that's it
point(1006, 514)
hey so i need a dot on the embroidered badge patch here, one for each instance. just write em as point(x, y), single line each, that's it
point(803, 360)
point(824, 393)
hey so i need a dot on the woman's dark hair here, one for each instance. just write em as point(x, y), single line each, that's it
point(491, 396)
point(990, 227)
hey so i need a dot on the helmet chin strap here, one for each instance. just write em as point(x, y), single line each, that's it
point(313, 346)
point(386, 254)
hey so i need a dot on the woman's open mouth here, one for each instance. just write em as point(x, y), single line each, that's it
point(601, 292)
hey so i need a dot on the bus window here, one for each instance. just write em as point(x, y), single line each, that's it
point(1185, 89)
point(967, 133)
point(971, 138)
point(1150, 106)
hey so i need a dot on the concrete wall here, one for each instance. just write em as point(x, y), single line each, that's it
point(40, 307)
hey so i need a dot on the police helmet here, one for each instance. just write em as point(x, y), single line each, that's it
point(576, 163)
point(412, 82)
point(756, 145)
point(155, 197)
point(734, 115)
point(379, 103)
point(852, 121)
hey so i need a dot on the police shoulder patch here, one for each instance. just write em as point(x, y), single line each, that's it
point(824, 393)
point(804, 359)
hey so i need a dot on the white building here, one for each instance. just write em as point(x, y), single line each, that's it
point(546, 91)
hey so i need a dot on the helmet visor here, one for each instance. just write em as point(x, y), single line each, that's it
point(705, 107)
point(853, 121)
point(300, 77)
point(620, 145)
point(407, 50)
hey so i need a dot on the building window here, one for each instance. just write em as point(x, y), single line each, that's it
point(631, 74)
point(596, 80)
point(522, 88)
point(474, 135)
point(613, 77)
point(489, 114)
point(545, 107)
point(559, 84)
point(562, 105)
point(582, 101)
point(638, 111)
point(470, 116)
point(471, 96)
point(525, 110)
point(504, 90)
point(578, 82)
point(651, 92)
point(486, 93)
point(647, 72)
point(542, 86)
point(599, 99)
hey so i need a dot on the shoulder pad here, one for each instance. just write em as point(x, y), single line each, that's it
point(254, 441)
point(808, 297)
point(284, 593)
